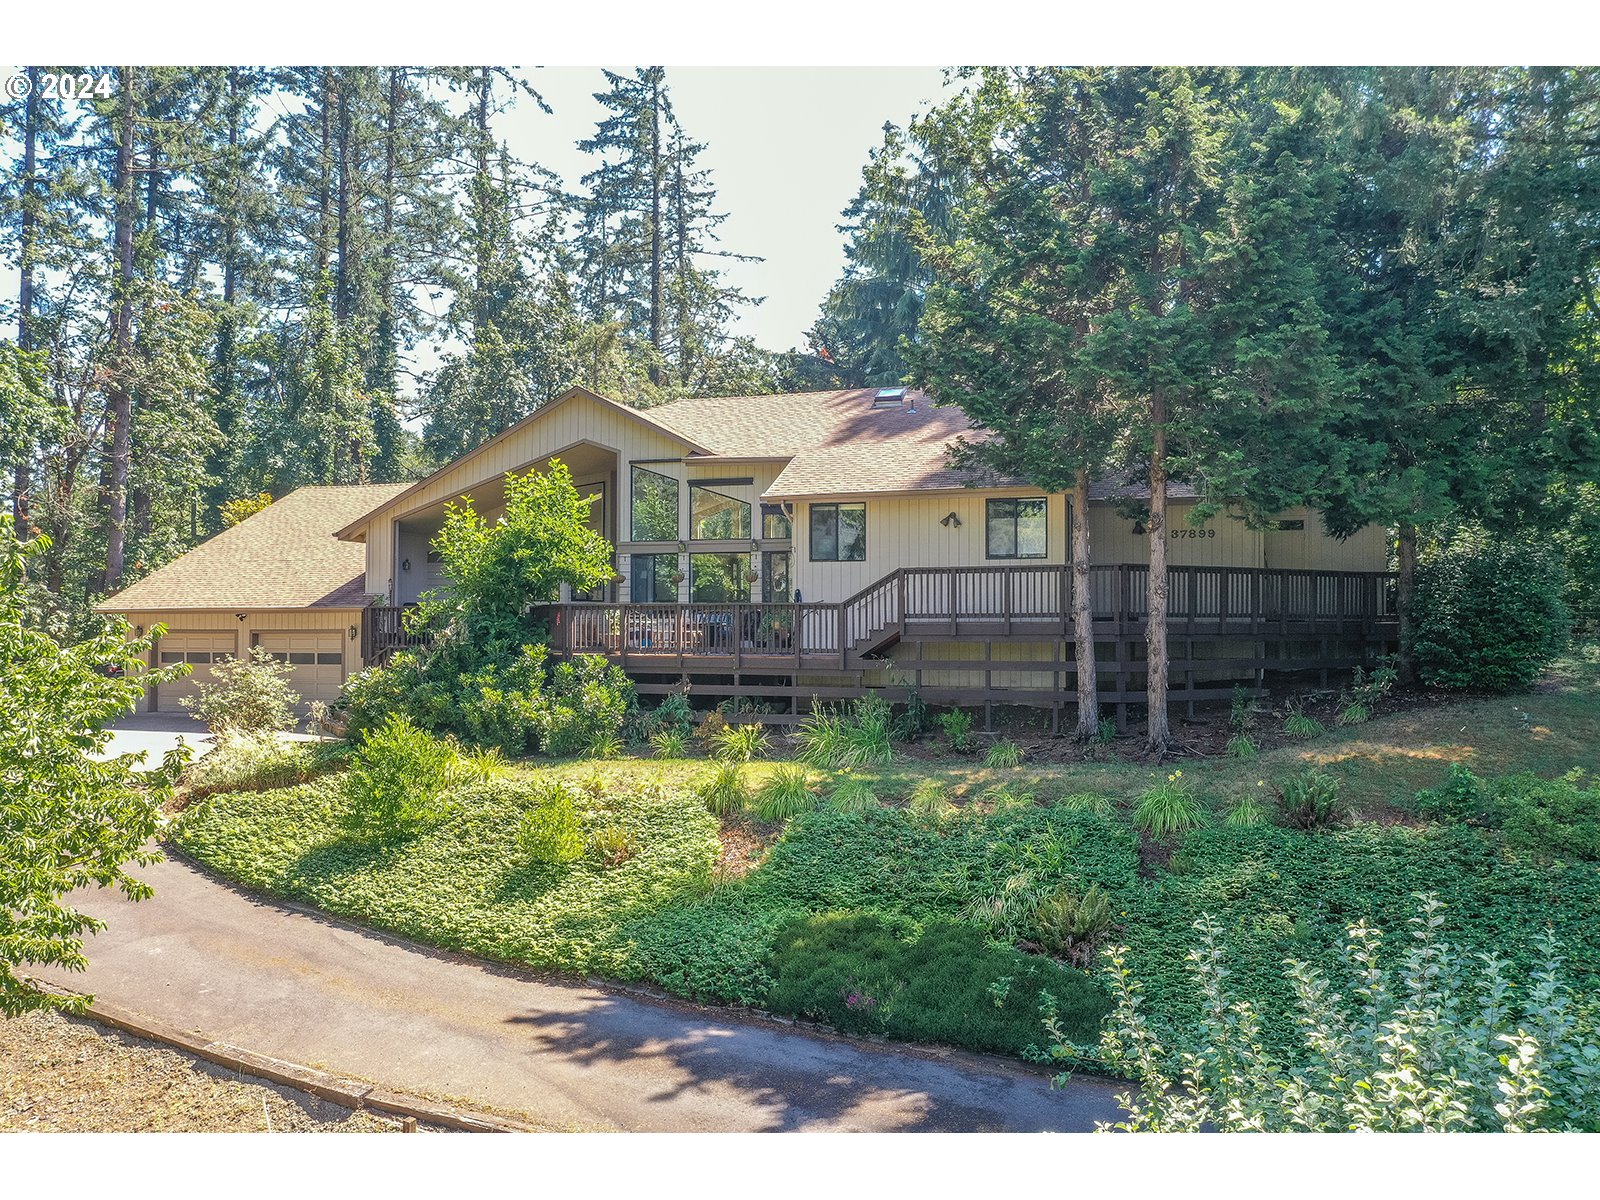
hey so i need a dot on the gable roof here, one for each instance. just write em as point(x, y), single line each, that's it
point(643, 416)
point(284, 556)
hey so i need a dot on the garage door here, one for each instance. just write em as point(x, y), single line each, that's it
point(317, 658)
point(200, 651)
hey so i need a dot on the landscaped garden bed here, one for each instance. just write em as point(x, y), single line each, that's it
point(909, 904)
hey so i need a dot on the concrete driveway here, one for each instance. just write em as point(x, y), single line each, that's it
point(276, 980)
point(153, 734)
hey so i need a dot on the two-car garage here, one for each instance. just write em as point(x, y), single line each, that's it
point(316, 658)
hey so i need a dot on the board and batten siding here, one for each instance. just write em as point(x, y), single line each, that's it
point(1315, 549)
point(256, 622)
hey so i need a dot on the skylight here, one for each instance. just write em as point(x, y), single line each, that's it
point(888, 397)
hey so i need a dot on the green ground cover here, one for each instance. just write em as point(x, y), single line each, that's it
point(847, 915)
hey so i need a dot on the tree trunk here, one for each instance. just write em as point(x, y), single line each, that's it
point(385, 370)
point(1405, 604)
point(1160, 733)
point(342, 299)
point(1083, 613)
point(23, 481)
point(655, 222)
point(325, 167)
point(119, 402)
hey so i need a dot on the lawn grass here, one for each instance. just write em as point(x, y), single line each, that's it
point(670, 916)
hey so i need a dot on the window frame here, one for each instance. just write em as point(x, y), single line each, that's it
point(836, 507)
point(749, 516)
point(741, 588)
point(776, 510)
point(656, 578)
point(1016, 527)
point(635, 470)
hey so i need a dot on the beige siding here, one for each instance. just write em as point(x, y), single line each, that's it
point(1220, 542)
point(226, 624)
point(905, 531)
point(1314, 549)
point(576, 420)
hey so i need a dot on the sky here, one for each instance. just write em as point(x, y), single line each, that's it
point(785, 146)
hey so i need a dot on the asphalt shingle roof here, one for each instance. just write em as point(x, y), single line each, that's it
point(285, 556)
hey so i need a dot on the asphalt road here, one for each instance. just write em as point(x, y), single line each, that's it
point(207, 958)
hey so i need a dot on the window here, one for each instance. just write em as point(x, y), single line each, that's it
point(325, 659)
point(715, 517)
point(838, 532)
point(651, 579)
point(655, 507)
point(1016, 529)
point(718, 578)
point(774, 524)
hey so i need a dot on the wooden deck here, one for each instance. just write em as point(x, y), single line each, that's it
point(1240, 622)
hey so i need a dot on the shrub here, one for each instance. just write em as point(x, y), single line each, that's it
point(587, 703)
point(710, 730)
point(255, 762)
point(1003, 754)
point(1366, 689)
point(957, 727)
point(1168, 809)
point(724, 791)
point(785, 793)
point(945, 982)
point(1550, 816)
point(1241, 746)
point(1489, 612)
point(852, 795)
point(551, 832)
point(669, 743)
point(1440, 1041)
point(1461, 797)
point(1310, 800)
point(246, 695)
point(741, 743)
point(911, 724)
point(1068, 923)
point(398, 779)
point(673, 713)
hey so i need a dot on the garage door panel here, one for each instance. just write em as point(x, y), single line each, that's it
point(316, 659)
point(202, 651)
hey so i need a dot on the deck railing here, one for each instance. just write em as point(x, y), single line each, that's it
point(983, 602)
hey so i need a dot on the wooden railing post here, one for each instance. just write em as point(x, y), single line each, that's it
point(842, 648)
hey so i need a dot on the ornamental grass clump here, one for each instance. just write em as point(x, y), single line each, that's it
point(1068, 923)
point(1169, 809)
point(1003, 755)
point(740, 743)
point(929, 800)
point(852, 795)
point(1310, 801)
point(669, 743)
point(723, 790)
point(786, 793)
point(1248, 811)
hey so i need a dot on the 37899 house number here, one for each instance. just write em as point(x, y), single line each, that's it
point(1189, 531)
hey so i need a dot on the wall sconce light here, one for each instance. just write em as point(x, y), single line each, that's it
point(138, 631)
point(355, 632)
point(755, 546)
point(405, 564)
point(682, 546)
point(241, 617)
point(951, 521)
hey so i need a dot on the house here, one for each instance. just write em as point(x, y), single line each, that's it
point(776, 548)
